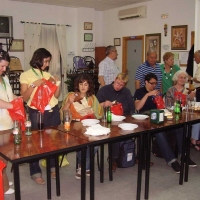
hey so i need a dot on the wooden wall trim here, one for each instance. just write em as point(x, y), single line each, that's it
point(124, 49)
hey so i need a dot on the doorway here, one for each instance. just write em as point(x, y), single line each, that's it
point(133, 53)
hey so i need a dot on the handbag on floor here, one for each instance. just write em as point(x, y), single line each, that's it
point(64, 162)
point(126, 156)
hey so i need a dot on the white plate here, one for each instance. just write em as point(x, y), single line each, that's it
point(128, 126)
point(140, 117)
point(118, 118)
point(89, 122)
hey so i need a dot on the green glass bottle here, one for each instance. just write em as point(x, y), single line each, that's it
point(109, 115)
point(177, 105)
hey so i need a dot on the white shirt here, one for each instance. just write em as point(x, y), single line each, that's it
point(6, 95)
point(108, 70)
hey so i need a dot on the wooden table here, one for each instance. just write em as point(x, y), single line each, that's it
point(144, 132)
point(43, 145)
point(116, 134)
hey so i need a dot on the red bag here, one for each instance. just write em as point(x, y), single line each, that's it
point(2, 166)
point(43, 95)
point(117, 109)
point(160, 104)
point(182, 96)
point(18, 112)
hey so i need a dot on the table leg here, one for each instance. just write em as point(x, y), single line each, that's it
point(57, 175)
point(185, 130)
point(147, 166)
point(16, 181)
point(187, 152)
point(48, 170)
point(140, 153)
point(92, 187)
point(110, 161)
point(102, 164)
point(83, 178)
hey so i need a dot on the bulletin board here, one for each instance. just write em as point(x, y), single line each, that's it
point(180, 58)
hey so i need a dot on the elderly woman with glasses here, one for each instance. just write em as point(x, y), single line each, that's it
point(180, 78)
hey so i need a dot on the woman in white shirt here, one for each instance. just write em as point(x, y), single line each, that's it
point(6, 123)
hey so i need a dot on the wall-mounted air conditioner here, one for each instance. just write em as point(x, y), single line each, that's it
point(137, 12)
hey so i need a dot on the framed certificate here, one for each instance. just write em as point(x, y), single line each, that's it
point(87, 25)
point(88, 37)
point(117, 41)
point(17, 45)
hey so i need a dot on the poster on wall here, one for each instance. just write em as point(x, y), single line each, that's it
point(153, 43)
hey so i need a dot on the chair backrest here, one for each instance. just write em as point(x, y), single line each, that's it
point(89, 62)
point(78, 62)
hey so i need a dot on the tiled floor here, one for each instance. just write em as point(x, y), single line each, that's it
point(163, 183)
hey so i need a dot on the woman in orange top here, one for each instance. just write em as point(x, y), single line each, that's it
point(83, 104)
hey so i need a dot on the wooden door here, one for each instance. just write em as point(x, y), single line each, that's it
point(100, 54)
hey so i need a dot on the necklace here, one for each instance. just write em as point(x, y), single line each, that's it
point(37, 73)
point(170, 73)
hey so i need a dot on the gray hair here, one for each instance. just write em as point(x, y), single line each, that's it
point(175, 77)
point(197, 53)
point(150, 52)
point(109, 49)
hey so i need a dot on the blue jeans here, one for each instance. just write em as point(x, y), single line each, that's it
point(165, 148)
point(195, 131)
point(50, 119)
point(87, 157)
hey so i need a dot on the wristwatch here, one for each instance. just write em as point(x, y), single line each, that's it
point(32, 85)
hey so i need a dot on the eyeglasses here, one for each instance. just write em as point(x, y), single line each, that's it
point(153, 83)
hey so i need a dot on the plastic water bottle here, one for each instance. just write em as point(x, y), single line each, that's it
point(28, 125)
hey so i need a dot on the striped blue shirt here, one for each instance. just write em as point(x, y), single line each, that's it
point(145, 69)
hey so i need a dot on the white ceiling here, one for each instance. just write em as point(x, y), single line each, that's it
point(99, 5)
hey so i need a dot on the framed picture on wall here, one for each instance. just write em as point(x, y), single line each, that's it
point(153, 43)
point(87, 25)
point(17, 45)
point(88, 37)
point(117, 41)
point(192, 37)
point(179, 37)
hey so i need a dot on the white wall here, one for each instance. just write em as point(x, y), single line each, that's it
point(40, 13)
point(180, 12)
point(106, 25)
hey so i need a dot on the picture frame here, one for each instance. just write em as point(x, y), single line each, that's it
point(179, 37)
point(192, 38)
point(117, 41)
point(153, 43)
point(88, 37)
point(87, 25)
point(17, 45)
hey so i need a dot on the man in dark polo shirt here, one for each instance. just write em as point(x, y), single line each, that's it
point(143, 102)
point(117, 91)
